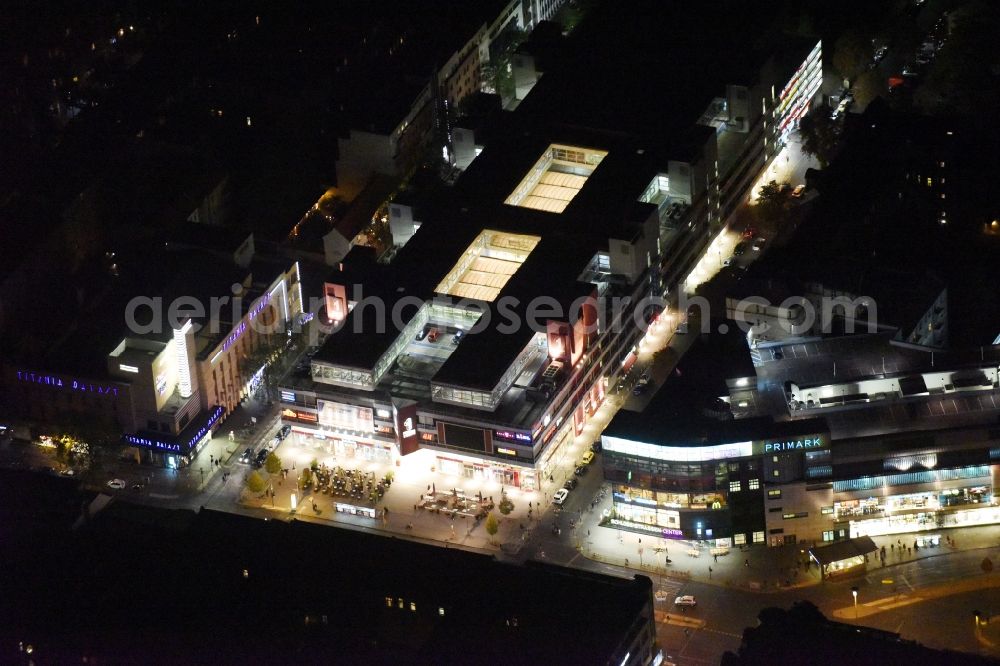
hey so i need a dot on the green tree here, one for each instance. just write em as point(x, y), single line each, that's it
point(769, 208)
point(820, 134)
point(851, 53)
point(314, 464)
point(255, 483)
point(867, 87)
point(505, 506)
point(492, 525)
point(273, 463)
point(305, 480)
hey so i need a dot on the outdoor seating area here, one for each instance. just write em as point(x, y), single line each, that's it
point(350, 483)
point(455, 503)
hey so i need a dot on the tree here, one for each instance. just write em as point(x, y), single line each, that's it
point(868, 86)
point(492, 525)
point(851, 53)
point(505, 506)
point(820, 134)
point(769, 208)
point(273, 463)
point(306, 479)
point(314, 464)
point(255, 483)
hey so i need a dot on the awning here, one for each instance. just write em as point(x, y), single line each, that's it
point(842, 550)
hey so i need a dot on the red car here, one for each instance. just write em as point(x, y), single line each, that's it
point(433, 335)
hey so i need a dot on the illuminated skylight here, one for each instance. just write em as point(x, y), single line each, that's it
point(556, 178)
point(487, 264)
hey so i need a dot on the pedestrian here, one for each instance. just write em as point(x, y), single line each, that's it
point(746, 563)
point(892, 546)
point(716, 556)
point(710, 572)
point(626, 561)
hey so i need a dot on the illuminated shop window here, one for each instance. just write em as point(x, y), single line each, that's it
point(754, 484)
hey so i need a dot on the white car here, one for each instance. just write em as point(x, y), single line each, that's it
point(686, 600)
point(560, 496)
point(116, 484)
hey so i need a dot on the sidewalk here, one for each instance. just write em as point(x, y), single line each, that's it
point(756, 568)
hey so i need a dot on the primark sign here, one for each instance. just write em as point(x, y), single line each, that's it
point(806, 443)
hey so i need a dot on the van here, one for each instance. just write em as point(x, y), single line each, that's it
point(433, 335)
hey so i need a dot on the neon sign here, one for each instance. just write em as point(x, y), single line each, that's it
point(68, 383)
point(148, 443)
point(257, 308)
point(511, 436)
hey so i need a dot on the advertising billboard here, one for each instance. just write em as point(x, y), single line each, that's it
point(345, 417)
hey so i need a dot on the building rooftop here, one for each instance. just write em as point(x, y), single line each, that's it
point(445, 602)
point(686, 410)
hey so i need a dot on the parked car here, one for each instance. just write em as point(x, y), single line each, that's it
point(422, 333)
point(580, 470)
point(588, 457)
point(283, 432)
point(686, 600)
point(560, 496)
point(433, 334)
point(459, 334)
point(246, 456)
point(740, 249)
point(799, 190)
point(640, 388)
point(116, 484)
point(596, 446)
point(728, 261)
point(571, 483)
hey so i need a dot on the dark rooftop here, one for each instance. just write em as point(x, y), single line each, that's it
point(166, 597)
point(684, 411)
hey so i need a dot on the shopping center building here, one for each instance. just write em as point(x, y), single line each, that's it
point(160, 372)
point(489, 335)
point(897, 442)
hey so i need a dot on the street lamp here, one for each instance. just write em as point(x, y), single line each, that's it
point(854, 592)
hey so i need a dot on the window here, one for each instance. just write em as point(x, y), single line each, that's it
point(735, 486)
point(734, 468)
point(388, 602)
point(739, 539)
point(774, 509)
point(826, 510)
point(758, 537)
point(929, 181)
point(800, 514)
point(777, 472)
point(400, 602)
point(774, 458)
point(441, 611)
point(828, 535)
point(413, 607)
point(774, 494)
point(754, 484)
